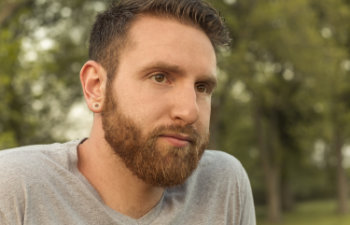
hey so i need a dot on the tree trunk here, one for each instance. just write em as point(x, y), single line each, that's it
point(8, 9)
point(271, 171)
point(286, 191)
point(342, 189)
point(273, 194)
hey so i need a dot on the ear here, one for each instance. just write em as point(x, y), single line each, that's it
point(93, 79)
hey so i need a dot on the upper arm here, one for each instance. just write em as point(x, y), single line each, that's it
point(12, 195)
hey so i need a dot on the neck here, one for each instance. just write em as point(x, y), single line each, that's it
point(118, 187)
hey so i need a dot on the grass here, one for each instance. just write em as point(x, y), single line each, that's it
point(321, 212)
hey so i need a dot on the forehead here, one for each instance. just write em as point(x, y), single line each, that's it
point(148, 25)
point(152, 38)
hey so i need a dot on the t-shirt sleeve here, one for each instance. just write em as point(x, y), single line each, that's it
point(12, 195)
point(232, 188)
point(240, 186)
point(247, 209)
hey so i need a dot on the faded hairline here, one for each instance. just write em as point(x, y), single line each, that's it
point(110, 36)
point(124, 42)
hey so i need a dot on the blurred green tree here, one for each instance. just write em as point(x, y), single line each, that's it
point(43, 45)
point(278, 75)
point(283, 87)
point(336, 87)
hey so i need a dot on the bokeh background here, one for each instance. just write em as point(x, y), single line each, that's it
point(282, 105)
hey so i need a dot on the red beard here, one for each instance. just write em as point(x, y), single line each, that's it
point(153, 163)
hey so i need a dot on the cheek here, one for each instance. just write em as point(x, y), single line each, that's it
point(143, 106)
point(204, 114)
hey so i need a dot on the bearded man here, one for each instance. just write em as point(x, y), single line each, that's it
point(149, 82)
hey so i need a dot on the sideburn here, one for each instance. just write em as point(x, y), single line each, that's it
point(156, 165)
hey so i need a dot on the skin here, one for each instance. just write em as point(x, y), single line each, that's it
point(165, 76)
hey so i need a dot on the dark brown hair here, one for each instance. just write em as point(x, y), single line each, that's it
point(108, 35)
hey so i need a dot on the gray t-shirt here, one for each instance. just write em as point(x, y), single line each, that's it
point(42, 185)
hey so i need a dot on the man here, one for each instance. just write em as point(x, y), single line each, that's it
point(149, 81)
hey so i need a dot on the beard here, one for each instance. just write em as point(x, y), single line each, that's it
point(155, 164)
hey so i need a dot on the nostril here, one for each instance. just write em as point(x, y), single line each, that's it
point(186, 112)
point(184, 105)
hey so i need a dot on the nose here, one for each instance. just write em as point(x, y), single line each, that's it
point(184, 106)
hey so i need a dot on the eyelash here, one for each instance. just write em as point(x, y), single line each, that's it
point(208, 88)
point(201, 85)
point(154, 77)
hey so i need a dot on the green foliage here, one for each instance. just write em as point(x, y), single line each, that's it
point(319, 212)
point(43, 46)
point(287, 69)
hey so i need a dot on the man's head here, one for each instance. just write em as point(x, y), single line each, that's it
point(155, 84)
point(109, 35)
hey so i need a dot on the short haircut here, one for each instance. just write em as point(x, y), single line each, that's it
point(109, 32)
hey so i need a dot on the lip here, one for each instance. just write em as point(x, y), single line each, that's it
point(178, 140)
point(182, 137)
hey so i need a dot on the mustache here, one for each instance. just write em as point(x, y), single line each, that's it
point(188, 130)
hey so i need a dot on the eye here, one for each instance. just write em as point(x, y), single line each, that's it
point(159, 78)
point(203, 88)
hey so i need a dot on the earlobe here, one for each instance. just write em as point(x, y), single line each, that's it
point(93, 80)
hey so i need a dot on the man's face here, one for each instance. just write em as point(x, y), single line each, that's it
point(157, 110)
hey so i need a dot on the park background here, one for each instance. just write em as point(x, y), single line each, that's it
point(282, 105)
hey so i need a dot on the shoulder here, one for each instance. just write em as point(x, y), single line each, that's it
point(219, 163)
point(21, 159)
point(221, 172)
point(23, 173)
point(220, 189)
point(29, 157)
point(225, 176)
point(27, 164)
point(215, 156)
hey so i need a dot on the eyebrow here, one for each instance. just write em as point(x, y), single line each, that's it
point(173, 68)
point(163, 66)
